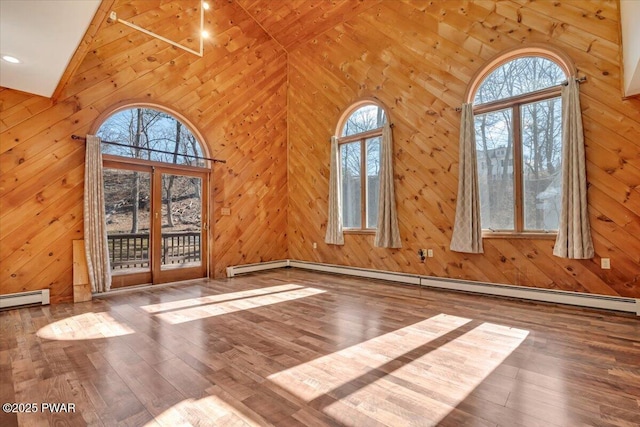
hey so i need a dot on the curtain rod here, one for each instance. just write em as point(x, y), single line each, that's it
point(82, 138)
point(564, 83)
point(391, 125)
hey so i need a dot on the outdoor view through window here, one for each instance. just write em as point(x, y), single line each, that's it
point(519, 146)
point(134, 186)
point(360, 156)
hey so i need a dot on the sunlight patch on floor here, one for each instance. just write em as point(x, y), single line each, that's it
point(446, 375)
point(369, 377)
point(208, 411)
point(235, 305)
point(87, 326)
point(194, 302)
point(321, 375)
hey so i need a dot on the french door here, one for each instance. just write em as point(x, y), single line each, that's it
point(157, 224)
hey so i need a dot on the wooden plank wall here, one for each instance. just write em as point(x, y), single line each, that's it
point(417, 57)
point(235, 96)
point(293, 23)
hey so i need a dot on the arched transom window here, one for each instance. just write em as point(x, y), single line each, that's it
point(360, 135)
point(518, 130)
point(150, 134)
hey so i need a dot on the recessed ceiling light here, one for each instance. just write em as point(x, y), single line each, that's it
point(205, 6)
point(205, 34)
point(10, 59)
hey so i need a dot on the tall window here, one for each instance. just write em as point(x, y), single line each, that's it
point(155, 187)
point(359, 141)
point(518, 124)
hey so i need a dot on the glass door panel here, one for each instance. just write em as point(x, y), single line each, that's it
point(156, 223)
point(179, 210)
point(181, 221)
point(127, 196)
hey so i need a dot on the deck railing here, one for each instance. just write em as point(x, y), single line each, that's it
point(131, 250)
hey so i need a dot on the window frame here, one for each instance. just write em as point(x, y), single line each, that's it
point(157, 275)
point(515, 103)
point(137, 103)
point(362, 138)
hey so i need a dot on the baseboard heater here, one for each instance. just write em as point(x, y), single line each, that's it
point(391, 276)
point(259, 266)
point(24, 298)
point(326, 268)
point(536, 294)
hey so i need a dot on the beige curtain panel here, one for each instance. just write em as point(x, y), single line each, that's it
point(574, 232)
point(467, 229)
point(334, 234)
point(387, 233)
point(95, 227)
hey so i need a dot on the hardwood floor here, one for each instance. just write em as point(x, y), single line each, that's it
point(290, 347)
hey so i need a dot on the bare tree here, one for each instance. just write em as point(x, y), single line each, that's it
point(140, 130)
point(135, 185)
point(169, 182)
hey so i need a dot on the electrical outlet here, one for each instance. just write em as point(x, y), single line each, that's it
point(225, 211)
point(429, 253)
point(315, 245)
point(605, 263)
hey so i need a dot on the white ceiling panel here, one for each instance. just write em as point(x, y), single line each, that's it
point(43, 35)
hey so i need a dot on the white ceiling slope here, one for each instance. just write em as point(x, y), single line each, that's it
point(44, 35)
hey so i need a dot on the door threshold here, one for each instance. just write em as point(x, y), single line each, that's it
point(142, 287)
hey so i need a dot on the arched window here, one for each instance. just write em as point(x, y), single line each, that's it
point(518, 129)
point(359, 139)
point(156, 196)
point(150, 134)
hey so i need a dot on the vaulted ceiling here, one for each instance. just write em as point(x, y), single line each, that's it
point(30, 32)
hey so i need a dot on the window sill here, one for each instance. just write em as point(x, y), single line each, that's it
point(514, 235)
point(358, 231)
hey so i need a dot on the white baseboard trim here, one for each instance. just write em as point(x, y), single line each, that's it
point(606, 302)
point(143, 287)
